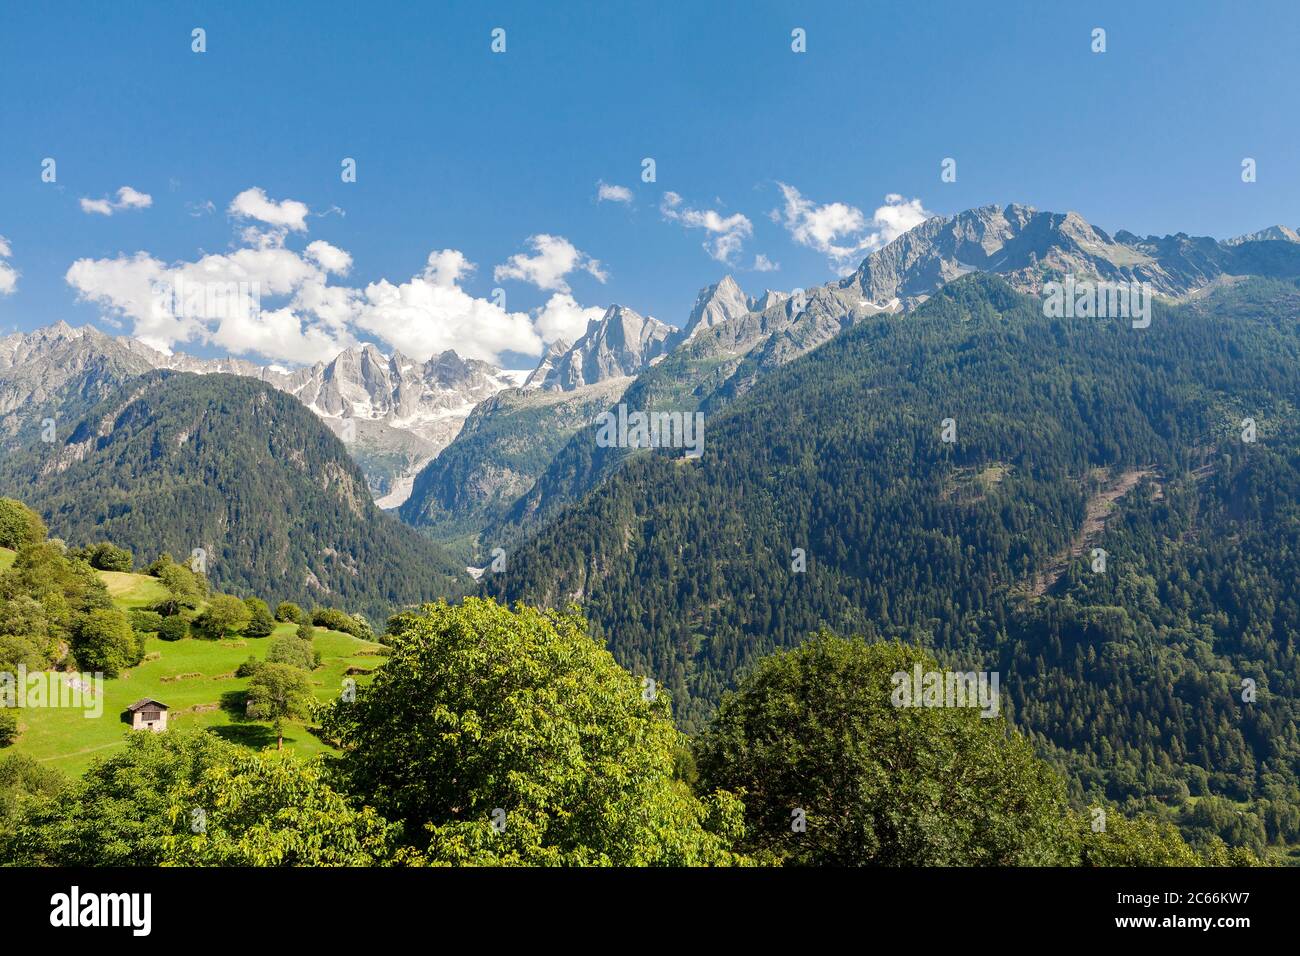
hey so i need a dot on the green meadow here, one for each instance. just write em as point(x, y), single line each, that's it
point(195, 678)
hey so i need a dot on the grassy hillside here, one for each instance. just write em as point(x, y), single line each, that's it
point(194, 677)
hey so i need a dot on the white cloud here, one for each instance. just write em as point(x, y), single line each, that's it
point(562, 318)
point(127, 198)
point(763, 264)
point(8, 274)
point(554, 258)
point(608, 192)
point(267, 299)
point(330, 258)
point(726, 233)
point(432, 313)
point(842, 232)
point(254, 204)
point(219, 299)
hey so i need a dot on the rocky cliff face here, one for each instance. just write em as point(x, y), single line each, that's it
point(715, 305)
point(618, 344)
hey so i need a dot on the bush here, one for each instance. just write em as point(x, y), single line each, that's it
point(249, 667)
point(288, 611)
point(336, 620)
point(19, 525)
point(306, 633)
point(8, 725)
point(105, 557)
point(173, 628)
point(144, 621)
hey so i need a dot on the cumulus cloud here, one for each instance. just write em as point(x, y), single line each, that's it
point(263, 299)
point(562, 318)
point(328, 257)
point(726, 234)
point(842, 232)
point(554, 258)
point(431, 313)
point(267, 299)
point(217, 299)
point(127, 198)
point(763, 264)
point(8, 274)
point(608, 192)
point(253, 203)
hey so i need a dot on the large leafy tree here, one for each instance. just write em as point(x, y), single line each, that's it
point(184, 798)
point(293, 650)
point(24, 782)
point(104, 641)
point(279, 691)
point(833, 773)
point(118, 813)
point(19, 525)
point(511, 737)
point(185, 589)
point(260, 622)
point(271, 810)
point(224, 615)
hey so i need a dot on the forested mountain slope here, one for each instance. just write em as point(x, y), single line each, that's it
point(175, 461)
point(1133, 676)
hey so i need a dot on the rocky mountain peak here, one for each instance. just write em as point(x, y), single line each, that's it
point(1271, 234)
point(714, 305)
point(553, 353)
point(621, 342)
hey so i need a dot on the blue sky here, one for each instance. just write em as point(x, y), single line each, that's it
point(460, 149)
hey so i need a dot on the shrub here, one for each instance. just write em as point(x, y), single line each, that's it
point(105, 557)
point(335, 620)
point(173, 628)
point(288, 611)
point(8, 725)
point(145, 621)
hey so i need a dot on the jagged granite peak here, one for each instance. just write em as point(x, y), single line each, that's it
point(716, 304)
point(554, 352)
point(1015, 240)
point(1271, 234)
point(619, 343)
point(1028, 248)
point(57, 372)
point(769, 298)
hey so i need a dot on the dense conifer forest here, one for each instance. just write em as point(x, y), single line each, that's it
point(1131, 678)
